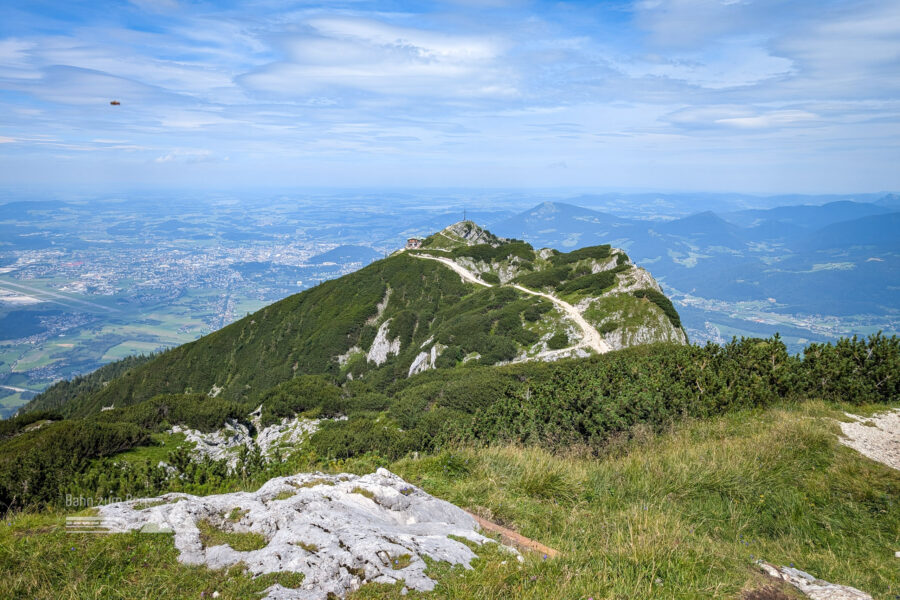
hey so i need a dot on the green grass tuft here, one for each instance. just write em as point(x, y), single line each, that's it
point(212, 535)
point(363, 492)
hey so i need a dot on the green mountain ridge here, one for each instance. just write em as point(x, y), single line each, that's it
point(406, 314)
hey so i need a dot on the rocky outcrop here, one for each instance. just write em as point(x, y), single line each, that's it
point(472, 234)
point(380, 307)
point(382, 347)
point(635, 279)
point(339, 531)
point(344, 358)
point(660, 329)
point(816, 589)
point(225, 443)
point(222, 444)
point(877, 437)
point(425, 360)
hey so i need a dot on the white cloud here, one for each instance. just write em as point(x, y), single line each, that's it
point(156, 5)
point(694, 23)
point(777, 118)
point(734, 63)
point(185, 155)
point(742, 117)
point(340, 53)
point(15, 53)
point(849, 54)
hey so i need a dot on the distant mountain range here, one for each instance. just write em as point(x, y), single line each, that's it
point(466, 296)
point(839, 258)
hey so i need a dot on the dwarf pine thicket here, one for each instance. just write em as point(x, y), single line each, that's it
point(583, 402)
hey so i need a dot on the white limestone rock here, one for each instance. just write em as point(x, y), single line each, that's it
point(382, 347)
point(380, 307)
point(288, 432)
point(425, 360)
point(472, 234)
point(335, 536)
point(816, 589)
point(225, 443)
point(636, 278)
point(877, 437)
point(222, 444)
point(344, 358)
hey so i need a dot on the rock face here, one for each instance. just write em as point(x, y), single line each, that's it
point(472, 234)
point(339, 531)
point(425, 360)
point(812, 587)
point(382, 347)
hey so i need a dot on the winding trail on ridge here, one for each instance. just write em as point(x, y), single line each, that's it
point(590, 338)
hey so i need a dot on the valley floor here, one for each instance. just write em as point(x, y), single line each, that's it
point(682, 514)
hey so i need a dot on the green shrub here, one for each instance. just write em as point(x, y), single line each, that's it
point(853, 370)
point(15, 425)
point(608, 327)
point(592, 252)
point(546, 278)
point(36, 466)
point(301, 394)
point(363, 435)
point(593, 285)
point(491, 278)
point(402, 326)
point(662, 301)
point(450, 357)
point(196, 411)
point(558, 340)
point(488, 253)
point(535, 310)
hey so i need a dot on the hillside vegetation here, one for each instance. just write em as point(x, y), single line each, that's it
point(570, 403)
point(398, 317)
point(680, 514)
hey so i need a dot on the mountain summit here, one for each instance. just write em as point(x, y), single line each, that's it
point(465, 296)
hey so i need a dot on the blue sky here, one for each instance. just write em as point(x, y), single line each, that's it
point(758, 96)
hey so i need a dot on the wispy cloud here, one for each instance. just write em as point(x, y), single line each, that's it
point(458, 92)
point(336, 55)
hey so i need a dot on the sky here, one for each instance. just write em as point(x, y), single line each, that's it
point(752, 96)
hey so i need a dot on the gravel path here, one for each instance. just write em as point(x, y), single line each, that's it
point(591, 338)
point(877, 437)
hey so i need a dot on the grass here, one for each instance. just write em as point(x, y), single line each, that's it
point(152, 503)
point(313, 483)
point(236, 514)
point(400, 562)
point(212, 535)
point(363, 492)
point(683, 514)
point(166, 443)
point(39, 560)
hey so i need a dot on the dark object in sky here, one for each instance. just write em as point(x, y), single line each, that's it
point(115, 102)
